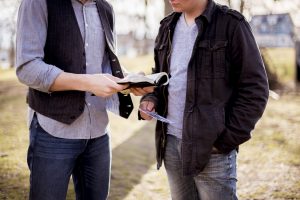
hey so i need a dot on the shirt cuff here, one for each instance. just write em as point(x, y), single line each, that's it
point(51, 75)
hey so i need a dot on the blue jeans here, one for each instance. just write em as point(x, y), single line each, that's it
point(53, 160)
point(216, 182)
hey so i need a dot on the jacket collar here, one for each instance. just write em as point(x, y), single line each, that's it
point(208, 12)
point(172, 19)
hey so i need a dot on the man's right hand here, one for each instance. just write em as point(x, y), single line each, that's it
point(102, 85)
point(149, 106)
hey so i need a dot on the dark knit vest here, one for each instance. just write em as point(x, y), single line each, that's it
point(64, 49)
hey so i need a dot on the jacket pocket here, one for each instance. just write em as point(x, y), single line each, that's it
point(204, 123)
point(161, 52)
point(213, 59)
point(202, 127)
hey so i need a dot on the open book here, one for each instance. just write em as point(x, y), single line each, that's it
point(139, 80)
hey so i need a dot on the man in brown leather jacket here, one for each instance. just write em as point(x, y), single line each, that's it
point(217, 92)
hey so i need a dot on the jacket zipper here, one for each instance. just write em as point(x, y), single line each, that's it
point(164, 96)
point(168, 65)
point(195, 74)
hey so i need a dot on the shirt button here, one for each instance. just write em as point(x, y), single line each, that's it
point(86, 44)
point(86, 25)
point(87, 64)
point(89, 104)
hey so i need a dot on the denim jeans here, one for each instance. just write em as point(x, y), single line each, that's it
point(53, 160)
point(216, 182)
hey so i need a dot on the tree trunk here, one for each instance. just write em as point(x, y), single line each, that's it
point(168, 7)
point(11, 55)
point(229, 3)
point(242, 6)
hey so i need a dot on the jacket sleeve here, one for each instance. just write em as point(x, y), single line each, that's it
point(154, 96)
point(250, 92)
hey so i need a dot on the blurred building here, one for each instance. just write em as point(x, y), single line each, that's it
point(274, 30)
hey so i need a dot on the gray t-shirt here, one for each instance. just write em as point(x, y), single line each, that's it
point(34, 72)
point(182, 47)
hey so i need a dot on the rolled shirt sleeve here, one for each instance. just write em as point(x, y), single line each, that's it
point(31, 38)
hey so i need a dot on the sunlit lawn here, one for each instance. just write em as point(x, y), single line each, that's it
point(282, 62)
point(268, 165)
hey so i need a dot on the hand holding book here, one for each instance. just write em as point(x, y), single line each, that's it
point(139, 80)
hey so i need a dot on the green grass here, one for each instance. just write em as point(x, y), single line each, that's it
point(268, 165)
point(282, 62)
point(13, 138)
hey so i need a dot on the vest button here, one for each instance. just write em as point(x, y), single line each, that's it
point(80, 109)
point(73, 117)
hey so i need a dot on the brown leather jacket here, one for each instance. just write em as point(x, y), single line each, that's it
point(227, 87)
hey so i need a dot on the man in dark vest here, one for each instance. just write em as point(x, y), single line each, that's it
point(217, 91)
point(66, 55)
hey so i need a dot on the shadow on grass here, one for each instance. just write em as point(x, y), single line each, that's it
point(13, 185)
point(131, 160)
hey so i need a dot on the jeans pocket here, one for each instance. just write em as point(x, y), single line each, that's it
point(222, 166)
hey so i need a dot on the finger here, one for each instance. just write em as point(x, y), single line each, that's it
point(138, 92)
point(143, 105)
point(148, 89)
point(113, 85)
point(135, 92)
point(123, 86)
point(150, 106)
point(145, 116)
point(113, 80)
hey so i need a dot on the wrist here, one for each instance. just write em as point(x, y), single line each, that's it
point(84, 83)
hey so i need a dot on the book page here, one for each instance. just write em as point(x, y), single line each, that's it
point(153, 79)
point(135, 78)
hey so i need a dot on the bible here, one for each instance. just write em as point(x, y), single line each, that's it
point(139, 80)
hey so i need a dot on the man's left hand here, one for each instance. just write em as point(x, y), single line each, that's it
point(141, 91)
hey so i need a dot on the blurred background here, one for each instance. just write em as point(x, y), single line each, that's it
point(268, 165)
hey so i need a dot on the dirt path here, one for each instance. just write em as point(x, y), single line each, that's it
point(268, 165)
